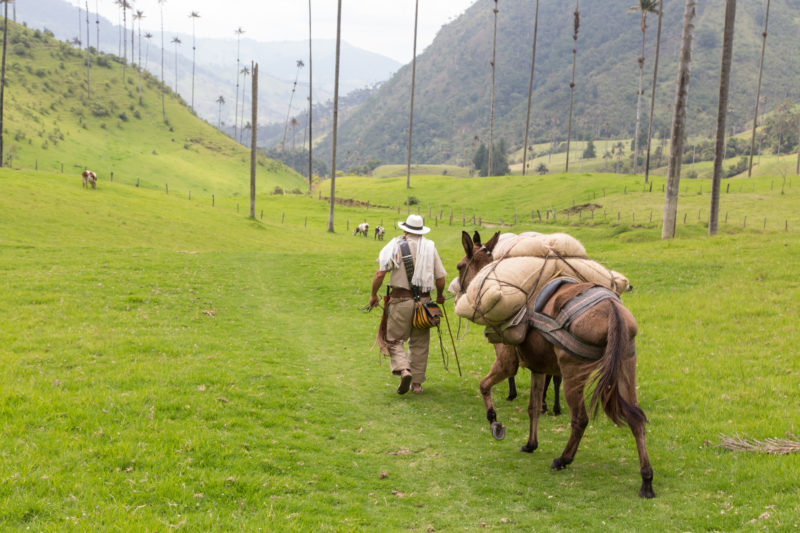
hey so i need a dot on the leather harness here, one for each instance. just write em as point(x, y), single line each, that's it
point(557, 330)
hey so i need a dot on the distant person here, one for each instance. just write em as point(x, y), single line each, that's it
point(428, 272)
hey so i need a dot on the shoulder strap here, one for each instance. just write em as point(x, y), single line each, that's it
point(408, 262)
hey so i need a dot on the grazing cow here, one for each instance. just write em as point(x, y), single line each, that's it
point(362, 228)
point(379, 233)
point(89, 178)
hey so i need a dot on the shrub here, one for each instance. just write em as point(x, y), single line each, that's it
point(412, 200)
point(277, 190)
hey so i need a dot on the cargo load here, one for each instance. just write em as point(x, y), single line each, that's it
point(523, 264)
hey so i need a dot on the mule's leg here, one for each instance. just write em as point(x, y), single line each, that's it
point(636, 420)
point(512, 388)
point(534, 408)
point(547, 379)
point(505, 365)
point(578, 421)
point(556, 395)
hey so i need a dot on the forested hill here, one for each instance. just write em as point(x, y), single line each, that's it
point(453, 82)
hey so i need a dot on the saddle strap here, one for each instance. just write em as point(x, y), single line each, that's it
point(557, 330)
point(408, 263)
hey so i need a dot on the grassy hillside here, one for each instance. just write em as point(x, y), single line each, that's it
point(172, 365)
point(764, 201)
point(54, 122)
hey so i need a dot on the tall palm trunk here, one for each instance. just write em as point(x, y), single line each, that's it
point(88, 57)
point(335, 114)
point(3, 76)
point(653, 92)
point(124, 38)
point(194, 16)
point(758, 92)
point(491, 111)
point(310, 105)
point(722, 111)
point(239, 32)
point(413, 83)
point(576, 26)
point(253, 138)
point(245, 73)
point(639, 94)
point(163, 85)
point(678, 123)
point(291, 99)
point(96, 23)
point(530, 90)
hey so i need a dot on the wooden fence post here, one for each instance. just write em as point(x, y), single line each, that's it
point(166, 187)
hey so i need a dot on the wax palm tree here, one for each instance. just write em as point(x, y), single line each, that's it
point(678, 123)
point(147, 36)
point(125, 7)
point(97, 22)
point(194, 16)
point(253, 139)
point(294, 123)
point(722, 111)
point(133, 35)
point(643, 7)
point(88, 57)
point(530, 91)
point(576, 23)
point(245, 72)
point(300, 65)
point(138, 16)
point(239, 32)
point(3, 74)
point(653, 92)
point(335, 114)
point(491, 105)
point(310, 104)
point(758, 91)
point(176, 41)
point(163, 85)
point(220, 102)
point(413, 83)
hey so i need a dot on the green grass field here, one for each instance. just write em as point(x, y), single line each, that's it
point(169, 365)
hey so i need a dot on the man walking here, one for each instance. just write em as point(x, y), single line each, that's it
point(428, 272)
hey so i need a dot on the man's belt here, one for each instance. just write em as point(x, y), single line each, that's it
point(399, 292)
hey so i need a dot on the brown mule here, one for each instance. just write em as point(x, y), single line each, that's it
point(609, 324)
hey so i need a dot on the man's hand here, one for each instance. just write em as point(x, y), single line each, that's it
point(373, 300)
point(440, 299)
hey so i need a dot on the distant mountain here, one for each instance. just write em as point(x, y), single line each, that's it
point(215, 73)
point(453, 78)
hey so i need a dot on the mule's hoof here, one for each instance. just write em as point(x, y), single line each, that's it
point(559, 463)
point(556, 411)
point(498, 431)
point(529, 448)
point(511, 397)
point(647, 491)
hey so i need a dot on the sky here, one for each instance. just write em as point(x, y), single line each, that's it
point(382, 26)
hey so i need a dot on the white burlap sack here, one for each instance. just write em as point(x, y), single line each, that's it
point(538, 245)
point(512, 281)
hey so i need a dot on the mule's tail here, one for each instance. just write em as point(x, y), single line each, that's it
point(608, 375)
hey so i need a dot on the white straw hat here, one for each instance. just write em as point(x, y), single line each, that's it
point(414, 224)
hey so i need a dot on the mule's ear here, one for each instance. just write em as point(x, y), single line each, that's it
point(492, 242)
point(467, 243)
point(477, 238)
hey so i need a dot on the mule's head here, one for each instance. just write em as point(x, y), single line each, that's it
point(478, 255)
